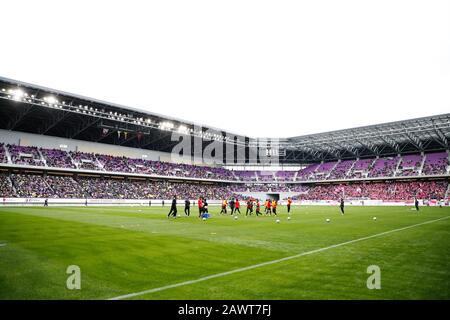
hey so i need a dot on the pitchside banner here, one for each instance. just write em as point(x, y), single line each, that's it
point(167, 202)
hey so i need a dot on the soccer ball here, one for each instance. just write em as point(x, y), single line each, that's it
point(374, 218)
point(277, 221)
point(235, 217)
point(328, 220)
point(204, 219)
point(289, 218)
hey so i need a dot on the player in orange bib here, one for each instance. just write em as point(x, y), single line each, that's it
point(274, 207)
point(289, 202)
point(224, 206)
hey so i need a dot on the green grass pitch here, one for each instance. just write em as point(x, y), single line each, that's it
point(123, 250)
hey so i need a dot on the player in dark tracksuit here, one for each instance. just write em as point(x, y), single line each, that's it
point(416, 204)
point(232, 204)
point(342, 206)
point(187, 207)
point(46, 203)
point(173, 208)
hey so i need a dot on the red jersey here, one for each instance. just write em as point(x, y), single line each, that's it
point(200, 203)
point(238, 204)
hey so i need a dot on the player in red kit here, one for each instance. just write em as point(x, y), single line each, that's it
point(200, 206)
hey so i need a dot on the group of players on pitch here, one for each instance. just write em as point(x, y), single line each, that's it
point(270, 207)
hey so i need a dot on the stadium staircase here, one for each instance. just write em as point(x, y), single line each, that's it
point(43, 160)
point(422, 164)
point(398, 165)
point(351, 168)
point(332, 169)
point(295, 176)
point(8, 155)
point(11, 184)
point(447, 192)
point(448, 167)
point(71, 159)
point(99, 164)
point(48, 185)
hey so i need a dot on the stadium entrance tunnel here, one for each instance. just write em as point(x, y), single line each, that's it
point(273, 196)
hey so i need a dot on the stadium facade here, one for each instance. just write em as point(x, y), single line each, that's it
point(63, 146)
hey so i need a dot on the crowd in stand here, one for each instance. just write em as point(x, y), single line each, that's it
point(435, 163)
point(57, 158)
point(6, 187)
point(407, 165)
point(31, 186)
point(64, 187)
point(393, 190)
point(25, 155)
point(50, 186)
point(84, 160)
point(3, 157)
point(38, 186)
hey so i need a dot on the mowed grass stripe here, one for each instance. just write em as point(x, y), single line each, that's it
point(222, 274)
point(118, 260)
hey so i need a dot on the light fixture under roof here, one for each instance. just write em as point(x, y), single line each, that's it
point(50, 100)
point(17, 94)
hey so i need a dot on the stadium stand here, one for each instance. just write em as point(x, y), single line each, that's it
point(435, 163)
point(25, 155)
point(414, 165)
point(390, 161)
point(391, 190)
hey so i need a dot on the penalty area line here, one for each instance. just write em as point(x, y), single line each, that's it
point(223, 274)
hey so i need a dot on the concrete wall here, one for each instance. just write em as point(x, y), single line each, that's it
point(29, 139)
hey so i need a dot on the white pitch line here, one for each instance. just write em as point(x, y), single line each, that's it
point(222, 274)
point(2, 244)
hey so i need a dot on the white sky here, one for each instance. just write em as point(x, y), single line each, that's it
point(307, 66)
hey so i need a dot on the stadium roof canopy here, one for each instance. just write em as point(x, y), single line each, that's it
point(400, 137)
point(35, 109)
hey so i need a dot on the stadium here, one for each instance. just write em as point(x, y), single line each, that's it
point(88, 183)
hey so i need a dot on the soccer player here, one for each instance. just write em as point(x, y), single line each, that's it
point(238, 206)
point(200, 206)
point(249, 206)
point(46, 203)
point(224, 206)
point(289, 202)
point(274, 207)
point(187, 207)
point(416, 204)
point(173, 208)
point(342, 206)
point(269, 206)
point(258, 208)
point(232, 203)
point(205, 207)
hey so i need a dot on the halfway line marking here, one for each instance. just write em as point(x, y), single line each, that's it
point(226, 273)
point(2, 244)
